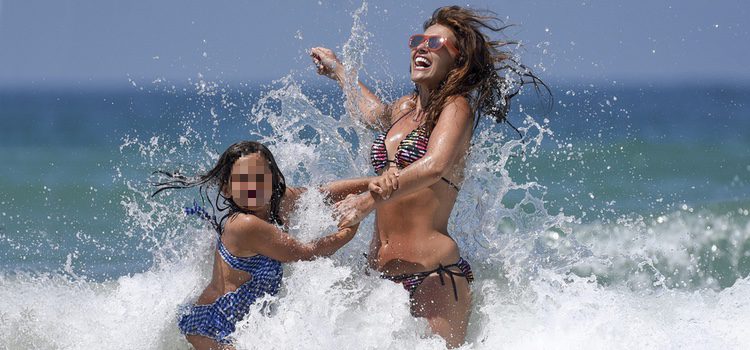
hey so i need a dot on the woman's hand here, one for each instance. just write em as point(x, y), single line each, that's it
point(385, 184)
point(354, 208)
point(327, 63)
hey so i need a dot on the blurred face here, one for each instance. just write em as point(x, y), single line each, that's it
point(428, 67)
point(251, 184)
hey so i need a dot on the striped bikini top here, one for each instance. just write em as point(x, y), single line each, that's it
point(412, 148)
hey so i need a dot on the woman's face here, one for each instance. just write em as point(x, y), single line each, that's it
point(251, 183)
point(429, 68)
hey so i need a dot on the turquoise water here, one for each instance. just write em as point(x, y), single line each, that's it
point(632, 204)
point(616, 151)
point(621, 220)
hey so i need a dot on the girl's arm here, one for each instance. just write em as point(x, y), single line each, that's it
point(335, 191)
point(446, 145)
point(338, 190)
point(251, 235)
point(373, 112)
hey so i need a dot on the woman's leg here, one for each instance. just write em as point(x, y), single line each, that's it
point(204, 343)
point(436, 302)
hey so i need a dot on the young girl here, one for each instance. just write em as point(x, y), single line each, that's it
point(251, 247)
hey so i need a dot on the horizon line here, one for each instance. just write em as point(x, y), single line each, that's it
point(129, 84)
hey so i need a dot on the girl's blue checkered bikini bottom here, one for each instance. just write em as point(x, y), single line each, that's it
point(217, 320)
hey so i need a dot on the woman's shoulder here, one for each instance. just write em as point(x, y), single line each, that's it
point(456, 115)
point(410, 99)
point(458, 101)
point(402, 106)
point(457, 104)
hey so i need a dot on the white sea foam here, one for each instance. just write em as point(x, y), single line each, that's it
point(543, 280)
point(331, 303)
point(54, 311)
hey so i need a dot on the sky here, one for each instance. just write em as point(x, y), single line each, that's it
point(96, 42)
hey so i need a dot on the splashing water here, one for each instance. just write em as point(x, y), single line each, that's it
point(675, 281)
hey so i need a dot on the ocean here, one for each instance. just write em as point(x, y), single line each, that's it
point(620, 220)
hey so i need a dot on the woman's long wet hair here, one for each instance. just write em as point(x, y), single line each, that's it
point(484, 73)
point(219, 179)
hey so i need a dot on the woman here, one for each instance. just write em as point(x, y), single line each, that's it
point(459, 74)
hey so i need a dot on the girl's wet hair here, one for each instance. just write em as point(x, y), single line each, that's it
point(219, 178)
point(484, 73)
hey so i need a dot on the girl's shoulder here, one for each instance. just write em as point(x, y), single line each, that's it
point(241, 233)
point(242, 224)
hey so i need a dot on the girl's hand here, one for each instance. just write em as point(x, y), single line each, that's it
point(327, 63)
point(354, 208)
point(385, 184)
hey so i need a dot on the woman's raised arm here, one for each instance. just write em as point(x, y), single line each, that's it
point(366, 105)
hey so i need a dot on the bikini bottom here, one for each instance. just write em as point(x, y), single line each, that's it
point(411, 281)
point(217, 320)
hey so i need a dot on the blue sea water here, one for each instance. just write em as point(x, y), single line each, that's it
point(617, 150)
point(646, 188)
point(619, 220)
point(624, 197)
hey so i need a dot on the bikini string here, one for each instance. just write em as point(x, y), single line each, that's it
point(443, 269)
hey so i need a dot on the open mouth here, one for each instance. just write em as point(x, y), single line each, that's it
point(421, 62)
point(251, 194)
